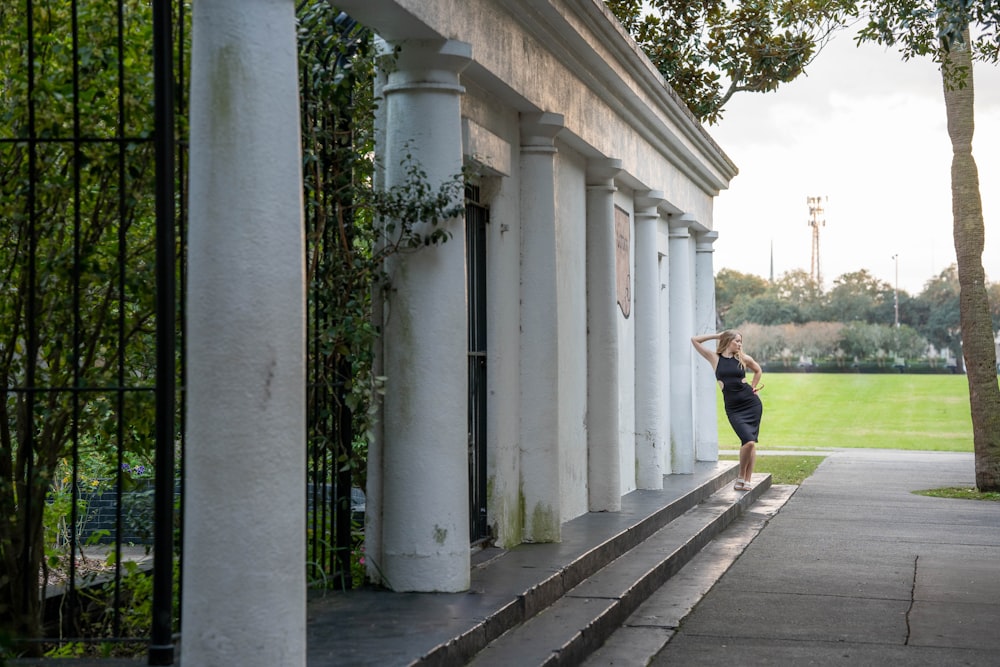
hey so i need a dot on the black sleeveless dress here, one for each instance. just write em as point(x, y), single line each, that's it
point(743, 407)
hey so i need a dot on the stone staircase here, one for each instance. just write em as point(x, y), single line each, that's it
point(547, 604)
point(555, 604)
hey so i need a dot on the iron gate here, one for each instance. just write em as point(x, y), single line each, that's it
point(335, 85)
point(89, 333)
point(93, 196)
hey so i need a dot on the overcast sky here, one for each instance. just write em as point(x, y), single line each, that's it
point(867, 131)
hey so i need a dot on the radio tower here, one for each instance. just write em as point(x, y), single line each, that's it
point(816, 221)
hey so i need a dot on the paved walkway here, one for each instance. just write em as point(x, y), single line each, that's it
point(857, 570)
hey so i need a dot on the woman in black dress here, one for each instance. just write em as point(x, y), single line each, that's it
point(743, 406)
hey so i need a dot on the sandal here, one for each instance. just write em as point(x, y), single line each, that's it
point(739, 485)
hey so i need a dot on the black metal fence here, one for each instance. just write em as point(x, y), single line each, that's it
point(335, 83)
point(91, 202)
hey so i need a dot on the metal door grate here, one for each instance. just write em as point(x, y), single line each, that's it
point(476, 218)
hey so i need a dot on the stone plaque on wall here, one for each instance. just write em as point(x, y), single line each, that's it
point(623, 272)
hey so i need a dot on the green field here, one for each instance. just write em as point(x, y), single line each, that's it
point(823, 410)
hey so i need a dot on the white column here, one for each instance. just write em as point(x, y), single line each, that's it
point(650, 441)
point(706, 425)
point(425, 460)
point(604, 463)
point(244, 597)
point(666, 372)
point(681, 330)
point(540, 336)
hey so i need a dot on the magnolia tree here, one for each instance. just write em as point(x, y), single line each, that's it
point(709, 51)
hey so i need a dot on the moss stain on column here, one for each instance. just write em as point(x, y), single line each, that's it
point(544, 524)
point(227, 81)
point(508, 523)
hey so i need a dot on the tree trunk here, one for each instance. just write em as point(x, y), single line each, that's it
point(969, 231)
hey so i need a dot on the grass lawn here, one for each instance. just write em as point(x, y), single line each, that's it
point(823, 410)
point(786, 469)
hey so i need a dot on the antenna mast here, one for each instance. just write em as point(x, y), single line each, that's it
point(816, 220)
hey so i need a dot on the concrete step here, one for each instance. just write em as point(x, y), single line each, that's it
point(655, 622)
point(587, 585)
point(578, 622)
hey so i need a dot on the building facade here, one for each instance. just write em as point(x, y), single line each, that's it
point(538, 364)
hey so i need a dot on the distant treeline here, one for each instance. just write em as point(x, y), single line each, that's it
point(861, 324)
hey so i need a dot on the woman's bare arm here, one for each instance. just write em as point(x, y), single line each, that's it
point(710, 355)
point(757, 372)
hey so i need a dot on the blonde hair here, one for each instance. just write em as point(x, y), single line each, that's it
point(725, 340)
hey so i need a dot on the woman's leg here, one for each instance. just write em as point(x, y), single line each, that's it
point(748, 455)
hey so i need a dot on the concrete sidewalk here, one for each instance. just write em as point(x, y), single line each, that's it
point(856, 569)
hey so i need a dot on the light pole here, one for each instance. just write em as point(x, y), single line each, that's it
point(816, 221)
point(895, 290)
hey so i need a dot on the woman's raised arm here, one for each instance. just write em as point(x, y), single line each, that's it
point(710, 355)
